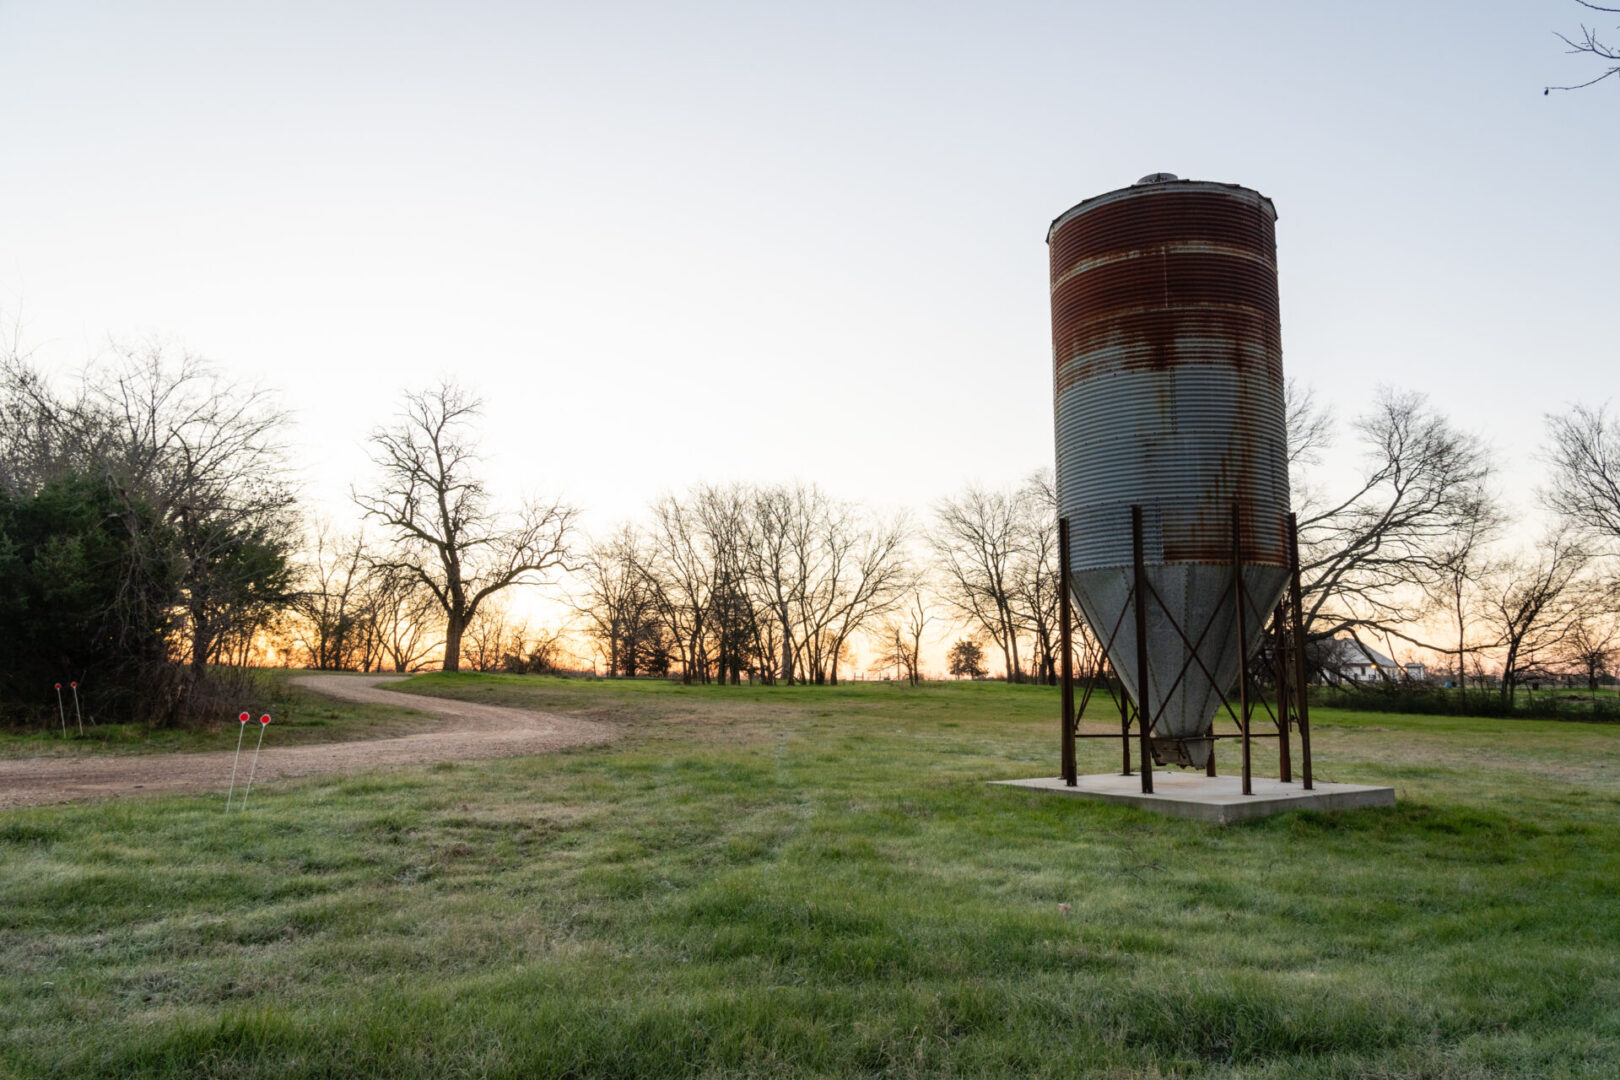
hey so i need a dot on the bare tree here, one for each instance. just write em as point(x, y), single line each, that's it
point(727, 528)
point(914, 617)
point(773, 582)
point(899, 639)
point(783, 556)
point(618, 605)
point(703, 551)
point(406, 617)
point(1309, 424)
point(1034, 579)
point(1460, 563)
point(1309, 435)
point(1371, 557)
point(536, 652)
point(1527, 601)
point(679, 571)
point(1585, 487)
point(1592, 646)
point(208, 454)
point(976, 541)
point(823, 546)
point(867, 577)
point(42, 435)
point(1588, 43)
point(334, 625)
point(492, 636)
point(440, 514)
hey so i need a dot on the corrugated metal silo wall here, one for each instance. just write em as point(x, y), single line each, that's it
point(1167, 358)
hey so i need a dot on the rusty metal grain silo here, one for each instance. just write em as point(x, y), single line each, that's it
point(1167, 365)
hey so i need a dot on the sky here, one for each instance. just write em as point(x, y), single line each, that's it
point(672, 243)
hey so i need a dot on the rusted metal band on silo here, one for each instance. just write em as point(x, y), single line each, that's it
point(1168, 373)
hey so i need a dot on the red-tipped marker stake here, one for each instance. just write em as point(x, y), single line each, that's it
point(264, 722)
point(240, 731)
point(60, 710)
point(78, 714)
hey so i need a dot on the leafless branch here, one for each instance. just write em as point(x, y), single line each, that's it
point(1590, 44)
point(1585, 484)
point(1373, 556)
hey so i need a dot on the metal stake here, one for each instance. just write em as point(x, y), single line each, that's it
point(1144, 716)
point(77, 713)
point(60, 710)
point(264, 722)
point(240, 731)
point(1071, 768)
point(1124, 720)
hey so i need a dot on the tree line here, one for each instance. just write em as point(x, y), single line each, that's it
point(151, 542)
point(147, 524)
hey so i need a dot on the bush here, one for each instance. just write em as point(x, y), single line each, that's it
point(1427, 700)
point(86, 590)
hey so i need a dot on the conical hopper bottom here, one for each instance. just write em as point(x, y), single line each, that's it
point(1197, 599)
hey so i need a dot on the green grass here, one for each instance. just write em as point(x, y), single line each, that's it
point(299, 717)
point(818, 882)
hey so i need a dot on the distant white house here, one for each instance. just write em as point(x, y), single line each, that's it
point(1347, 660)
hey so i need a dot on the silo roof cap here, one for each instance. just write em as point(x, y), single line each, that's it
point(1160, 182)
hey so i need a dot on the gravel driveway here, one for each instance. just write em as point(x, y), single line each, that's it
point(469, 731)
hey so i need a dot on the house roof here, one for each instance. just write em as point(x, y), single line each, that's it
point(1350, 651)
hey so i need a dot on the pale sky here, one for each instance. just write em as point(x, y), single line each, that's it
point(709, 241)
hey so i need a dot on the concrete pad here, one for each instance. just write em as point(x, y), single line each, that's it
point(1212, 798)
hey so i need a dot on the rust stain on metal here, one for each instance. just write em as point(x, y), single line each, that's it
point(1178, 278)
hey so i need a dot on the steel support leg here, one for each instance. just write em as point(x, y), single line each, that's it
point(1301, 698)
point(1144, 714)
point(1242, 643)
point(1070, 766)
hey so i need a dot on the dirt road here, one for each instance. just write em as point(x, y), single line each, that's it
point(470, 731)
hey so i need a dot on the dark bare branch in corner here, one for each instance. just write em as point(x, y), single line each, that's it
point(1590, 44)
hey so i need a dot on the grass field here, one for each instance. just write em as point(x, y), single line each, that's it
point(817, 882)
